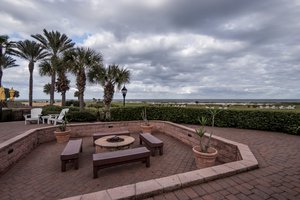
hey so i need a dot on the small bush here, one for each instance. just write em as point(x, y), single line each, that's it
point(81, 116)
point(96, 105)
point(51, 109)
point(74, 103)
point(6, 115)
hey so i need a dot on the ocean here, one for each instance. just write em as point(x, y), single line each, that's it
point(189, 100)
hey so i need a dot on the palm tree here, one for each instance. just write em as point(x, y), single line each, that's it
point(46, 89)
point(5, 60)
point(76, 94)
point(46, 69)
point(33, 52)
point(80, 60)
point(56, 43)
point(62, 83)
point(110, 78)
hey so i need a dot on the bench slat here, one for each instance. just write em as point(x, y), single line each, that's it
point(107, 159)
point(71, 153)
point(152, 143)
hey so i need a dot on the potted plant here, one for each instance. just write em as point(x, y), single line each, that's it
point(146, 127)
point(205, 155)
point(62, 134)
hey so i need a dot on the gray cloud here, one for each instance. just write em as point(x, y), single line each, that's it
point(174, 49)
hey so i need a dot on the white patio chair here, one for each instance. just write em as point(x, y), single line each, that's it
point(34, 115)
point(58, 118)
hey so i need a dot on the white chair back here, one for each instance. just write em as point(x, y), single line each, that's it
point(35, 112)
point(63, 113)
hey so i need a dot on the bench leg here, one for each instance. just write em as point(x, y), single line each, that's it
point(76, 163)
point(152, 151)
point(148, 161)
point(141, 142)
point(63, 165)
point(161, 151)
point(81, 148)
point(95, 172)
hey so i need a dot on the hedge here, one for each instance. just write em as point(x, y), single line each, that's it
point(6, 115)
point(51, 109)
point(81, 116)
point(280, 121)
point(74, 115)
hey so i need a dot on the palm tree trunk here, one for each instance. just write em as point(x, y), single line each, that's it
point(1, 74)
point(52, 88)
point(81, 81)
point(30, 67)
point(107, 112)
point(107, 99)
point(81, 101)
point(63, 98)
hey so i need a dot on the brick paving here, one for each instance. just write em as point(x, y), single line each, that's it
point(38, 176)
point(11, 129)
point(278, 176)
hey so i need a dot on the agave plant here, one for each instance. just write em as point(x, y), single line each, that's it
point(144, 117)
point(201, 131)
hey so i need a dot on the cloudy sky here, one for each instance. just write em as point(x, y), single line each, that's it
point(173, 48)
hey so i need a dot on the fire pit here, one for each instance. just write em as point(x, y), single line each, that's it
point(115, 138)
point(113, 143)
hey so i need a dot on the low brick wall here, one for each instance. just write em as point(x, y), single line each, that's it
point(18, 147)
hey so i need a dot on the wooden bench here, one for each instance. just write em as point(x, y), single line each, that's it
point(152, 143)
point(108, 159)
point(100, 135)
point(71, 154)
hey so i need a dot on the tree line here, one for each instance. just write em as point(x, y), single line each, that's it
point(57, 55)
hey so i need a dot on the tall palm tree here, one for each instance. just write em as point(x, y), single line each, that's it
point(80, 61)
point(5, 60)
point(62, 83)
point(111, 78)
point(33, 52)
point(46, 69)
point(56, 43)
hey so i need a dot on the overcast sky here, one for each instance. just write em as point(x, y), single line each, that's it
point(173, 48)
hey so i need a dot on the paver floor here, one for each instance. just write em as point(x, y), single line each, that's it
point(11, 129)
point(278, 176)
point(38, 175)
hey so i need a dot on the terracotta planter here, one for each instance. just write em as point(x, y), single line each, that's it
point(62, 136)
point(146, 128)
point(204, 160)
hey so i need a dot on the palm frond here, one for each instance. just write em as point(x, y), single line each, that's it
point(8, 62)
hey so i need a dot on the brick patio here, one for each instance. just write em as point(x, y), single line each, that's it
point(38, 175)
point(277, 178)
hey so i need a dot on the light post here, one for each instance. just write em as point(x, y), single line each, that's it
point(124, 92)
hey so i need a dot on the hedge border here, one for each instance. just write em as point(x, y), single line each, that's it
point(279, 121)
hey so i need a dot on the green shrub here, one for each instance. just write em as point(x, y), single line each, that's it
point(96, 105)
point(51, 109)
point(81, 116)
point(74, 103)
point(6, 115)
point(281, 121)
